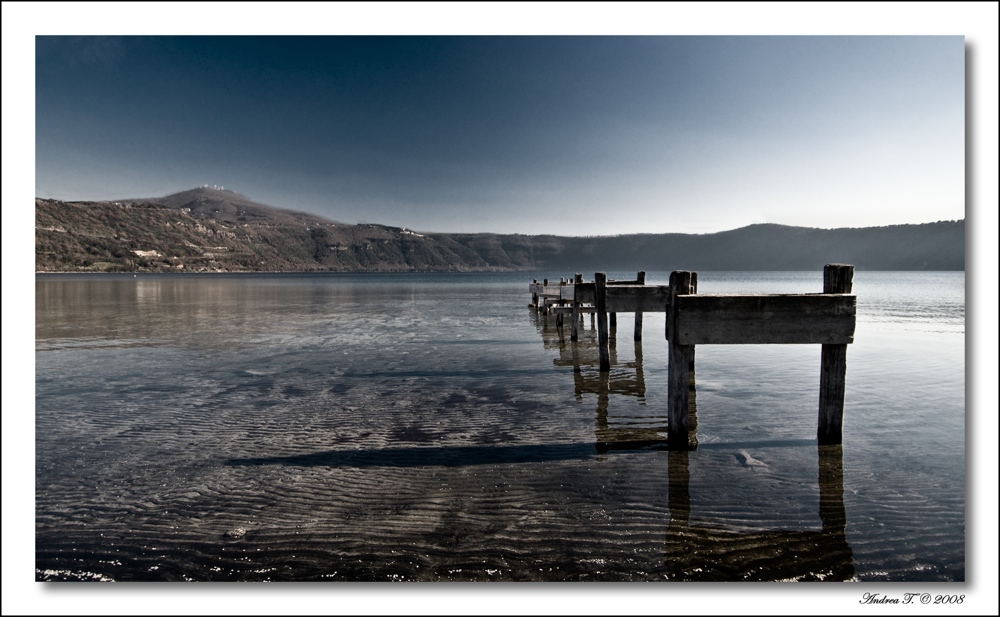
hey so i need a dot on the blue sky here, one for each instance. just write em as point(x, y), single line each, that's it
point(578, 135)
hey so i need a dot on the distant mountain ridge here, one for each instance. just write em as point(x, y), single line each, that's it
point(209, 229)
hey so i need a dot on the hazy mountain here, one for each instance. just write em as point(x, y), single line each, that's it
point(207, 229)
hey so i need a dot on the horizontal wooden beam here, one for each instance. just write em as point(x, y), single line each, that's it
point(585, 293)
point(538, 288)
point(568, 310)
point(632, 298)
point(717, 319)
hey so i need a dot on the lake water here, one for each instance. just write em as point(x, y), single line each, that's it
point(432, 427)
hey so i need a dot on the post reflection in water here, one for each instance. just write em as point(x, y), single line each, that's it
point(704, 552)
point(701, 550)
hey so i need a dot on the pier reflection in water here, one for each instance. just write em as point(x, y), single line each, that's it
point(699, 550)
point(704, 552)
point(612, 432)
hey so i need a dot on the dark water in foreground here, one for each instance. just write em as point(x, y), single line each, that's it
point(431, 427)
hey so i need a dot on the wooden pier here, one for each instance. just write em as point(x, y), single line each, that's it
point(826, 318)
point(577, 298)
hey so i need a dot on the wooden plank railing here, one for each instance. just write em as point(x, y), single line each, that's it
point(765, 319)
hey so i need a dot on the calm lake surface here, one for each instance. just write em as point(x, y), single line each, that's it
point(432, 427)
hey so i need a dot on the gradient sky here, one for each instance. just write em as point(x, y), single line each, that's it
point(571, 135)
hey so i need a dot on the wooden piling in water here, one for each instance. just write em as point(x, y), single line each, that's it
point(578, 279)
point(837, 279)
point(679, 360)
point(559, 316)
point(601, 284)
point(632, 296)
point(641, 279)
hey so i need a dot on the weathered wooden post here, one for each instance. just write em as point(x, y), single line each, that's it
point(601, 302)
point(641, 279)
point(692, 418)
point(559, 316)
point(613, 321)
point(837, 279)
point(577, 281)
point(678, 368)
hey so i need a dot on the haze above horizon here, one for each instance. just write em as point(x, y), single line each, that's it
point(570, 135)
